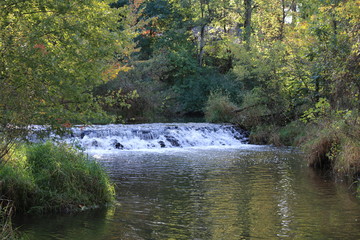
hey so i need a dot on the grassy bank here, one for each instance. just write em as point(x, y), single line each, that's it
point(46, 178)
point(335, 146)
point(330, 143)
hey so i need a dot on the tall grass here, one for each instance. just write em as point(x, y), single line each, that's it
point(334, 144)
point(6, 229)
point(53, 178)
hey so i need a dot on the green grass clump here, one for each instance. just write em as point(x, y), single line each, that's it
point(17, 181)
point(54, 178)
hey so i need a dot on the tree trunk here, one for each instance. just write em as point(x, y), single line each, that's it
point(202, 44)
point(202, 32)
point(247, 22)
point(282, 20)
point(293, 8)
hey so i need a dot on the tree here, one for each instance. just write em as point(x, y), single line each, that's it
point(52, 54)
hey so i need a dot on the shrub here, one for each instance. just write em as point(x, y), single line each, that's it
point(252, 111)
point(219, 108)
point(265, 134)
point(292, 134)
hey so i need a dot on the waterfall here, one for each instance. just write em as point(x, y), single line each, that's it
point(157, 136)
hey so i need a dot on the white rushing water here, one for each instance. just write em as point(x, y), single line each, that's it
point(156, 136)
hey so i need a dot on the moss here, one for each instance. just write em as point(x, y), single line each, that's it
point(54, 178)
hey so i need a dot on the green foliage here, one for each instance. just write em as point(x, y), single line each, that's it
point(321, 110)
point(53, 53)
point(260, 107)
point(219, 108)
point(54, 178)
point(264, 134)
point(292, 134)
point(164, 28)
point(143, 87)
point(193, 91)
point(169, 83)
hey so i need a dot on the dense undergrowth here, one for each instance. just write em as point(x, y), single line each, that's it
point(44, 178)
point(6, 229)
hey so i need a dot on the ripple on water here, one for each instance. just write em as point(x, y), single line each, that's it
point(245, 193)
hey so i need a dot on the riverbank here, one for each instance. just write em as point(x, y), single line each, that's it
point(49, 178)
point(331, 144)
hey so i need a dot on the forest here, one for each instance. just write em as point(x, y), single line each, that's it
point(288, 71)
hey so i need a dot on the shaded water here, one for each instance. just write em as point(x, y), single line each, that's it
point(249, 192)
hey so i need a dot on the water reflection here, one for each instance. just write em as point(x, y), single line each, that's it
point(251, 193)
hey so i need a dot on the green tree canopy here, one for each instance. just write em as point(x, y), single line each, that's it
point(52, 54)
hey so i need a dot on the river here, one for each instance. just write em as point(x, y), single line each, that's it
point(224, 189)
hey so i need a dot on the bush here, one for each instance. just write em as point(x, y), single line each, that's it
point(292, 134)
point(254, 110)
point(265, 134)
point(219, 108)
point(54, 178)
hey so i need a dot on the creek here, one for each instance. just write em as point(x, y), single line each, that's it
point(202, 181)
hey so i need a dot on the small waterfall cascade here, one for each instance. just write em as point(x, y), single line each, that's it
point(156, 136)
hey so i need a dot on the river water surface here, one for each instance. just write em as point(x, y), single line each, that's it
point(216, 192)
